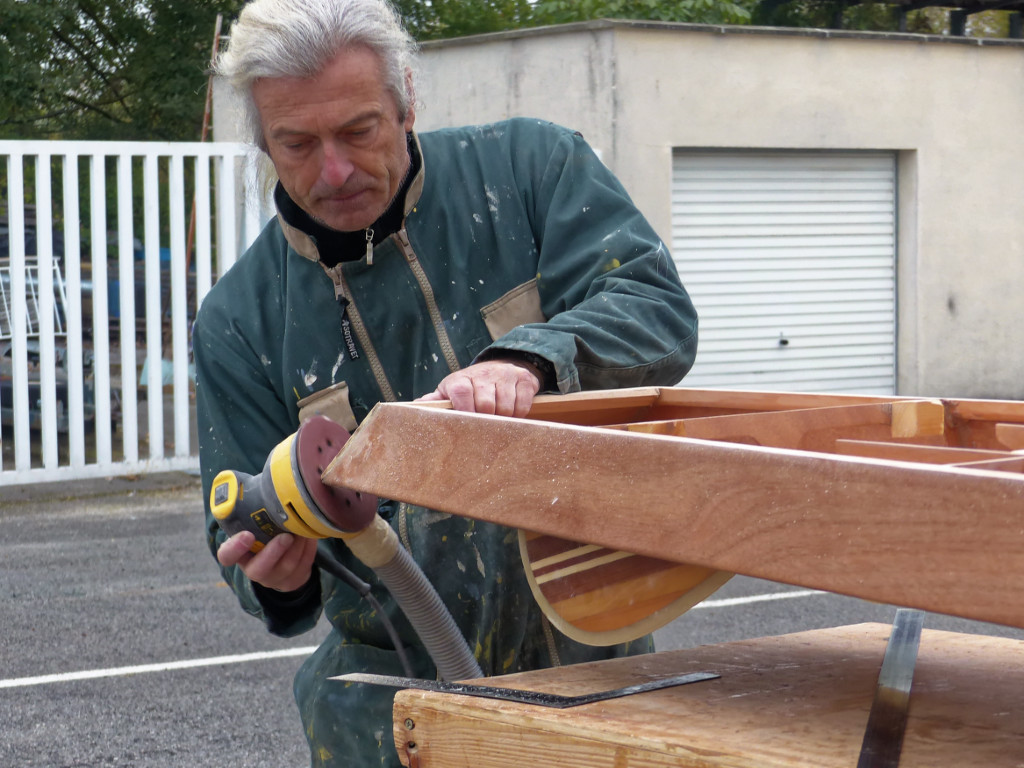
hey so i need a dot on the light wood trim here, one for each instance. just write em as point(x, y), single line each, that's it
point(1011, 435)
point(754, 400)
point(928, 454)
point(595, 605)
point(1012, 464)
point(918, 418)
point(544, 405)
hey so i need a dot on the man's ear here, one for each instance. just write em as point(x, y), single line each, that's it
point(410, 94)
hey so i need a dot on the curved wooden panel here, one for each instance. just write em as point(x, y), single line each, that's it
point(600, 596)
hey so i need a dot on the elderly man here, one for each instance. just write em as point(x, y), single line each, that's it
point(479, 265)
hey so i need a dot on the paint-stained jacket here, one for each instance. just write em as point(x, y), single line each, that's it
point(516, 237)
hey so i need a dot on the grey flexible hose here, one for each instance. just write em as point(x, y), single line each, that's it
point(378, 547)
point(429, 617)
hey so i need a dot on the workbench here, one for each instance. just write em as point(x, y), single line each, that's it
point(794, 700)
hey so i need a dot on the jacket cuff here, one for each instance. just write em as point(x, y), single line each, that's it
point(544, 367)
point(282, 610)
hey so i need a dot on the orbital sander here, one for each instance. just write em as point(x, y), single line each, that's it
point(289, 495)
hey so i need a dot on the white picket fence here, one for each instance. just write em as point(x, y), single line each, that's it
point(94, 331)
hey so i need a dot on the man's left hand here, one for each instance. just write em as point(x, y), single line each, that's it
point(500, 387)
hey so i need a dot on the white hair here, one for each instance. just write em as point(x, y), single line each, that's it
point(298, 38)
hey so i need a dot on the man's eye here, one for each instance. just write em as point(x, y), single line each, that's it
point(360, 133)
point(293, 145)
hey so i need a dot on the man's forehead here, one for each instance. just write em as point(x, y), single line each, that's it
point(353, 78)
point(357, 61)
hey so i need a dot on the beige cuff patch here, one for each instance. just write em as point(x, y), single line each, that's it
point(333, 403)
point(519, 306)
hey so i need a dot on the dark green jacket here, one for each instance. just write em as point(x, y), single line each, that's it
point(515, 238)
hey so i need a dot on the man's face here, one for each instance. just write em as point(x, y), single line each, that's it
point(336, 139)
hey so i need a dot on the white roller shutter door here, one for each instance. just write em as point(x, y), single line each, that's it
point(790, 260)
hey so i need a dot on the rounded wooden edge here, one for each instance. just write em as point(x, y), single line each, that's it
point(637, 629)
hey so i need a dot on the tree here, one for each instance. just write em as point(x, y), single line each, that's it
point(440, 19)
point(118, 69)
point(694, 11)
point(839, 14)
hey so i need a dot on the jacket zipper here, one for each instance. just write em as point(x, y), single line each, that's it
point(428, 294)
point(341, 291)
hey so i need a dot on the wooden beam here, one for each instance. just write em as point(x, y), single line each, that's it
point(809, 429)
point(944, 540)
point(789, 701)
point(1011, 411)
point(927, 454)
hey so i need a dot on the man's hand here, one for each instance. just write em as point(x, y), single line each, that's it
point(285, 564)
point(500, 387)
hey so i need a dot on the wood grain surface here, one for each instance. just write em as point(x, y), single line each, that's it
point(949, 540)
point(781, 702)
point(601, 596)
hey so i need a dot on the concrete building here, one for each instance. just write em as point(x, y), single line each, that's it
point(845, 208)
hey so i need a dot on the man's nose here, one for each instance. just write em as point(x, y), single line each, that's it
point(336, 167)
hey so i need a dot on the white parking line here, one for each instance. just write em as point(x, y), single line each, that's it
point(91, 674)
point(728, 602)
point(242, 658)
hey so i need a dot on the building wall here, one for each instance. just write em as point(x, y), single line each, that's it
point(952, 109)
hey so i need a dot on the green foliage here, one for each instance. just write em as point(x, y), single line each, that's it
point(837, 14)
point(694, 11)
point(989, 24)
point(118, 69)
point(440, 19)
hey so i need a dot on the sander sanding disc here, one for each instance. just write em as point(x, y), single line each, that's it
point(317, 442)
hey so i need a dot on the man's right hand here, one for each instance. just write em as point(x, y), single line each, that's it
point(285, 564)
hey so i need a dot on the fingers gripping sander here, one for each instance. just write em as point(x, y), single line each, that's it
point(290, 496)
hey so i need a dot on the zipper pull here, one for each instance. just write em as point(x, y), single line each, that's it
point(369, 247)
point(405, 246)
point(335, 274)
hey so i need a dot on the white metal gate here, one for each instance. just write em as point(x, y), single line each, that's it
point(790, 259)
point(106, 251)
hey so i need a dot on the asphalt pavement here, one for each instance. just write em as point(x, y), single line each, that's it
point(109, 575)
point(122, 646)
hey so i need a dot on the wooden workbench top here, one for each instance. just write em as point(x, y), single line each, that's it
point(794, 700)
